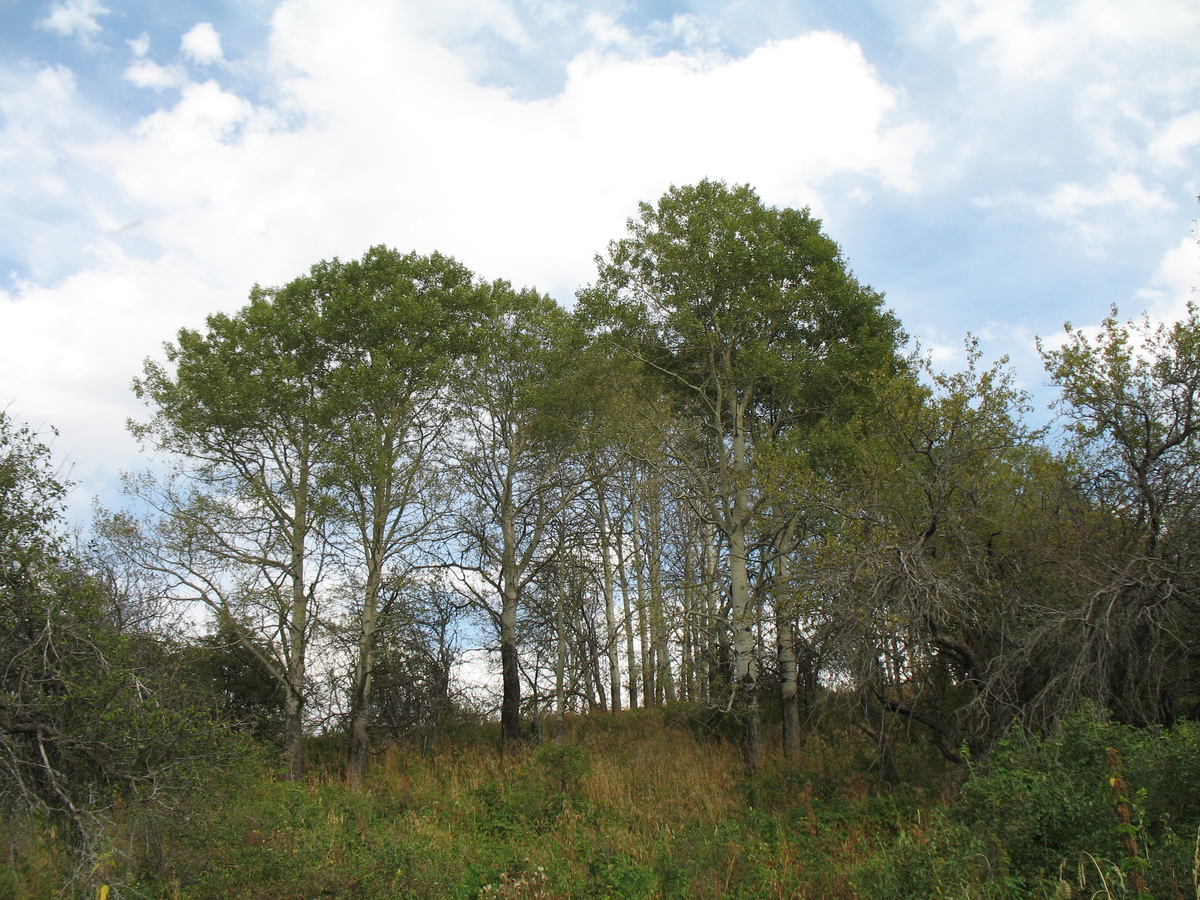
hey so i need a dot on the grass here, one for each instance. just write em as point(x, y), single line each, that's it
point(636, 806)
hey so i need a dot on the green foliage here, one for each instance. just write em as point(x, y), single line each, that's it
point(1036, 807)
point(924, 550)
point(302, 428)
point(620, 877)
point(234, 681)
point(31, 495)
point(720, 293)
point(1045, 801)
point(546, 787)
point(97, 728)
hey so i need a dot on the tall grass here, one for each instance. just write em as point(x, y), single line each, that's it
point(641, 806)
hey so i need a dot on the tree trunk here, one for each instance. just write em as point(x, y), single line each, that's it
point(627, 612)
point(687, 682)
point(785, 635)
point(716, 638)
point(877, 729)
point(560, 666)
point(741, 602)
point(664, 686)
point(293, 735)
point(646, 667)
point(789, 685)
point(360, 693)
point(745, 667)
point(610, 612)
point(297, 635)
point(510, 704)
point(597, 677)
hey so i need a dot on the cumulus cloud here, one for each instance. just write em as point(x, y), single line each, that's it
point(90, 331)
point(1109, 83)
point(1070, 202)
point(342, 174)
point(452, 20)
point(147, 74)
point(755, 119)
point(50, 188)
point(1097, 211)
point(75, 17)
point(202, 44)
point(1014, 42)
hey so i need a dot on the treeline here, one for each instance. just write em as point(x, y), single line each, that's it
point(720, 479)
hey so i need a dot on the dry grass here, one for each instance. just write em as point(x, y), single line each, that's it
point(663, 777)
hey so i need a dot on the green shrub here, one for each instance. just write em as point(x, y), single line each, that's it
point(620, 877)
point(1042, 810)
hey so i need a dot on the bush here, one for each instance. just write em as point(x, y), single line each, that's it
point(1042, 811)
point(97, 732)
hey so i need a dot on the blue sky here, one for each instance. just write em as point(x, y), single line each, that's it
point(993, 166)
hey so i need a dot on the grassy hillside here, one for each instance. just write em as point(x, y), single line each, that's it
point(642, 805)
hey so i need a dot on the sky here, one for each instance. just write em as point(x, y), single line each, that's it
point(996, 167)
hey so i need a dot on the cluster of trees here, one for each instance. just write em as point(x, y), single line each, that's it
point(719, 479)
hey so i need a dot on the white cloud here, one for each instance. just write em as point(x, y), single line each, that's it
point(1107, 85)
point(69, 351)
point(1180, 135)
point(1098, 212)
point(75, 17)
point(202, 44)
point(147, 74)
point(694, 31)
point(140, 45)
point(49, 189)
point(1014, 42)
point(378, 129)
point(203, 120)
point(606, 32)
point(1174, 285)
point(32, 103)
point(1071, 202)
point(1023, 42)
point(453, 20)
point(755, 119)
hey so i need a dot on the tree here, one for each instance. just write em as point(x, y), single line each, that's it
point(934, 557)
point(245, 410)
point(525, 401)
point(414, 656)
point(398, 328)
point(233, 680)
point(1131, 396)
point(310, 423)
point(751, 317)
